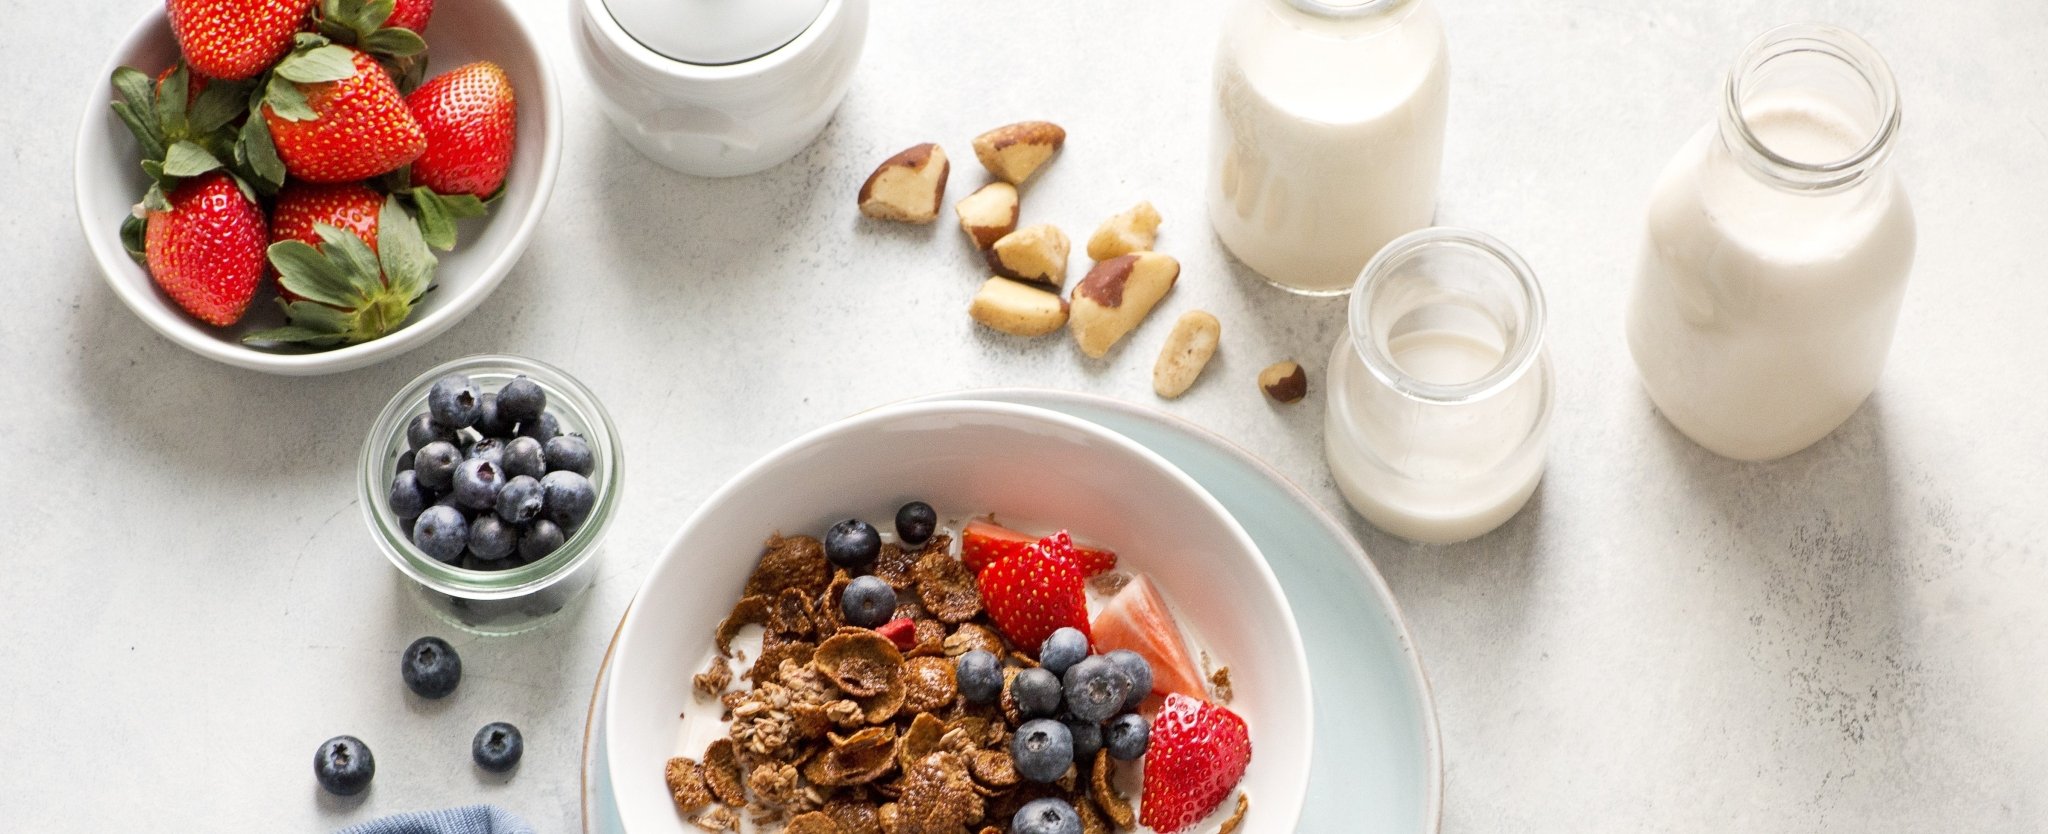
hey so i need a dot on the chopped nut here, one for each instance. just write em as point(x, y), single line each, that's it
point(1284, 381)
point(1219, 685)
point(907, 187)
point(1017, 309)
point(1236, 817)
point(1133, 230)
point(1117, 294)
point(988, 214)
point(1014, 152)
point(1186, 352)
point(1034, 253)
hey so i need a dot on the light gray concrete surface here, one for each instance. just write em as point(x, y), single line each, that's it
point(1847, 640)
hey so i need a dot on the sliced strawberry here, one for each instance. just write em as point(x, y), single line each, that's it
point(1030, 594)
point(901, 631)
point(984, 541)
point(1137, 619)
point(1198, 753)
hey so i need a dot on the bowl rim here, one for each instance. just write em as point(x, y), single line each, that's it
point(1291, 644)
point(173, 324)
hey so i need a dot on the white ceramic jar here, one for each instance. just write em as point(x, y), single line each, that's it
point(721, 88)
point(1440, 393)
point(1778, 246)
point(1327, 134)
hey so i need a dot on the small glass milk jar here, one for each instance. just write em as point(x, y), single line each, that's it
point(1327, 134)
point(1776, 252)
point(1440, 392)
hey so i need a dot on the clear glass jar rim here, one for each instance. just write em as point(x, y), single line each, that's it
point(1324, 8)
point(1836, 42)
point(580, 547)
point(1522, 353)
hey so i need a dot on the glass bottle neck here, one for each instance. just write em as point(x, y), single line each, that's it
point(1810, 108)
point(1447, 316)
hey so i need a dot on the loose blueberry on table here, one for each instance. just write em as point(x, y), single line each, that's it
point(497, 747)
point(343, 765)
point(430, 667)
point(488, 481)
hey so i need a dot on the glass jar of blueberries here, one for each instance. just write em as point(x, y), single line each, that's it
point(491, 481)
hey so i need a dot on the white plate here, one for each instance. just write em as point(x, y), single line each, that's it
point(1378, 764)
point(1029, 464)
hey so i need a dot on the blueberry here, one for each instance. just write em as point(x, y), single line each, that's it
point(868, 602)
point(422, 430)
point(523, 456)
point(522, 399)
point(567, 497)
point(405, 460)
point(454, 401)
point(1062, 650)
point(519, 500)
point(1050, 815)
point(441, 532)
point(1127, 736)
point(490, 422)
point(1096, 689)
point(435, 463)
point(852, 543)
point(431, 667)
point(915, 523)
point(1087, 738)
point(570, 453)
point(486, 448)
point(1042, 750)
point(543, 428)
point(1140, 671)
point(497, 747)
point(491, 539)
point(343, 765)
point(407, 498)
point(1037, 693)
point(540, 539)
point(980, 676)
point(477, 482)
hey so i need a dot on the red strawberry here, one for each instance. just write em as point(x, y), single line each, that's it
point(1031, 593)
point(901, 631)
point(470, 118)
point(206, 251)
point(411, 14)
point(984, 541)
point(1197, 755)
point(352, 206)
point(358, 128)
point(235, 39)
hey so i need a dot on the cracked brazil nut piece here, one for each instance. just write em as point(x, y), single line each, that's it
point(1186, 352)
point(1017, 309)
point(1014, 152)
point(1285, 381)
point(1132, 230)
point(1116, 296)
point(907, 187)
point(1034, 253)
point(988, 214)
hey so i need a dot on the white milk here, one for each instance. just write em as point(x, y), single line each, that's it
point(1327, 137)
point(1762, 311)
point(1443, 436)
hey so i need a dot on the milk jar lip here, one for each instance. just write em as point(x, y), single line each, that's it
point(1344, 9)
point(1810, 39)
point(1523, 347)
point(645, 57)
point(606, 5)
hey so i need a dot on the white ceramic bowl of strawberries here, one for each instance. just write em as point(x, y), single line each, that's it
point(1037, 471)
point(109, 183)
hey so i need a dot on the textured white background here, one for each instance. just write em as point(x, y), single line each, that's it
point(1848, 640)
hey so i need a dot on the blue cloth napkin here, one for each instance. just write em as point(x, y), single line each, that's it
point(468, 819)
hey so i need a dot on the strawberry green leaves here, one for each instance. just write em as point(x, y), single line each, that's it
point(326, 62)
point(183, 125)
point(438, 213)
point(348, 294)
point(361, 23)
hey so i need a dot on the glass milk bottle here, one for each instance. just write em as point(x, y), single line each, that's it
point(1779, 240)
point(1327, 135)
point(1440, 393)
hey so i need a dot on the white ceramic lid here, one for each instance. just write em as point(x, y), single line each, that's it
point(714, 31)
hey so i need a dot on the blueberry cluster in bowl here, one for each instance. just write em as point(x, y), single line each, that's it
point(488, 481)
